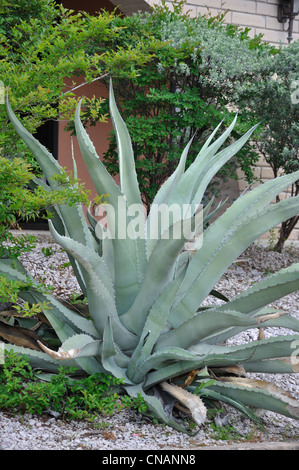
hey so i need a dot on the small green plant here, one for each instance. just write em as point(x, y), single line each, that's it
point(47, 251)
point(24, 391)
point(272, 240)
point(268, 271)
point(226, 433)
point(77, 298)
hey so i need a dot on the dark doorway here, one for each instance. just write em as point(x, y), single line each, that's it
point(47, 135)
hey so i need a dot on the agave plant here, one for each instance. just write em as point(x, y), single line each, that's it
point(148, 322)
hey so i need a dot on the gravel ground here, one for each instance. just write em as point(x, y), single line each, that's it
point(127, 430)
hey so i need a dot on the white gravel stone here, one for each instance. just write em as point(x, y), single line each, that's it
point(125, 430)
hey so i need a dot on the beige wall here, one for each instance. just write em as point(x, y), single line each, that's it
point(259, 15)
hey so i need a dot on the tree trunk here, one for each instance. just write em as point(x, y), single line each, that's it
point(285, 231)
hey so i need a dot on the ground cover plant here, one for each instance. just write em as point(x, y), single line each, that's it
point(24, 390)
point(147, 326)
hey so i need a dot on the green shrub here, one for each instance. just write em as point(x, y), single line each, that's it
point(274, 101)
point(197, 71)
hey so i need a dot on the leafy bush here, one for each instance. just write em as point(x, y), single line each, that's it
point(197, 71)
point(41, 44)
point(24, 204)
point(274, 101)
point(174, 77)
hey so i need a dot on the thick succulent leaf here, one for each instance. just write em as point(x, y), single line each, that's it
point(127, 254)
point(154, 325)
point(160, 271)
point(266, 291)
point(103, 181)
point(188, 185)
point(167, 188)
point(235, 403)
point(210, 149)
point(42, 361)
point(91, 263)
point(224, 227)
point(65, 322)
point(208, 215)
point(259, 394)
point(39, 360)
point(182, 262)
point(100, 289)
point(127, 171)
point(164, 355)
point(91, 219)
point(75, 347)
point(216, 163)
point(189, 190)
point(168, 371)
point(82, 349)
point(274, 347)
point(221, 356)
point(110, 351)
point(57, 221)
point(264, 318)
point(14, 269)
point(211, 267)
point(50, 167)
point(284, 365)
point(55, 308)
point(202, 325)
point(155, 407)
point(250, 202)
point(70, 217)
